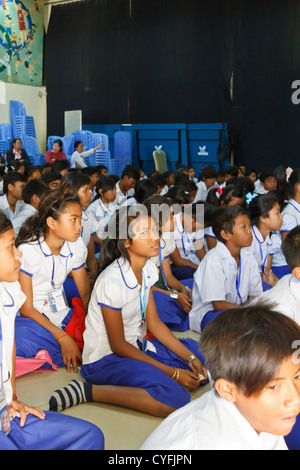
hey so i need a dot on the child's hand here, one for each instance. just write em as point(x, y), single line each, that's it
point(185, 302)
point(188, 379)
point(199, 369)
point(18, 407)
point(70, 352)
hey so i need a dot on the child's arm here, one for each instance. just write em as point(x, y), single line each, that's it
point(223, 305)
point(211, 242)
point(119, 346)
point(82, 283)
point(172, 281)
point(91, 261)
point(69, 348)
point(179, 261)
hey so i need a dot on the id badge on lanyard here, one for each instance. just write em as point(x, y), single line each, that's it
point(57, 297)
point(143, 325)
point(4, 413)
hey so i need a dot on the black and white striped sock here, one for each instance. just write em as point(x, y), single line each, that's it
point(73, 394)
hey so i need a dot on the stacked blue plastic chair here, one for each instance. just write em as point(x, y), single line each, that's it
point(122, 151)
point(31, 146)
point(68, 145)
point(17, 109)
point(101, 156)
point(24, 125)
point(5, 138)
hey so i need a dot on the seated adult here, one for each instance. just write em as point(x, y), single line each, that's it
point(17, 153)
point(56, 153)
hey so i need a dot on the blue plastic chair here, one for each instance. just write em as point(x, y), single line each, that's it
point(68, 145)
point(86, 137)
point(17, 109)
point(24, 125)
point(31, 146)
point(123, 145)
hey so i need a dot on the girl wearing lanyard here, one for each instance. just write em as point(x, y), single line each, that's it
point(120, 365)
point(79, 184)
point(173, 298)
point(24, 427)
point(51, 248)
point(102, 207)
point(265, 218)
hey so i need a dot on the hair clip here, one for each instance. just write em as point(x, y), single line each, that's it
point(250, 197)
point(219, 192)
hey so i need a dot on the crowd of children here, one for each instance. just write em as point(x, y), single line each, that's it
point(99, 271)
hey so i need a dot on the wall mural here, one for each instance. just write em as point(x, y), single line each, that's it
point(21, 41)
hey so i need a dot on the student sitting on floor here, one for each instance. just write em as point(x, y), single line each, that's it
point(31, 195)
point(24, 427)
point(291, 218)
point(265, 218)
point(102, 206)
point(189, 239)
point(255, 396)
point(51, 248)
point(286, 294)
point(120, 365)
point(125, 187)
point(228, 276)
point(208, 180)
point(11, 202)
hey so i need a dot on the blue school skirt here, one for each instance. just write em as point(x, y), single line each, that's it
point(281, 271)
point(208, 317)
point(169, 310)
point(292, 440)
point(30, 337)
point(182, 272)
point(124, 372)
point(56, 432)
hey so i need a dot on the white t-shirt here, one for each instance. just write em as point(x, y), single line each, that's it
point(218, 278)
point(4, 206)
point(99, 211)
point(286, 297)
point(185, 240)
point(121, 197)
point(261, 248)
point(291, 218)
point(11, 299)
point(210, 423)
point(42, 266)
point(116, 288)
point(77, 159)
point(26, 211)
point(88, 227)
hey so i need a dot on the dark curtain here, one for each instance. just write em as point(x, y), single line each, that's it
point(168, 61)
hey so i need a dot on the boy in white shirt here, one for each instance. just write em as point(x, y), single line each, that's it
point(254, 401)
point(125, 187)
point(228, 276)
point(11, 201)
point(286, 294)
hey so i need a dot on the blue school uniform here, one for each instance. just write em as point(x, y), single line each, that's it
point(48, 273)
point(56, 431)
point(117, 288)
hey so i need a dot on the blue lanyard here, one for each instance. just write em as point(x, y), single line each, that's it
point(105, 213)
point(143, 304)
point(238, 280)
point(294, 207)
point(182, 241)
point(161, 266)
point(263, 261)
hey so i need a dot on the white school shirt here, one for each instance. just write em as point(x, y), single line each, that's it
point(167, 246)
point(116, 288)
point(11, 299)
point(4, 206)
point(185, 241)
point(99, 211)
point(38, 262)
point(210, 423)
point(208, 233)
point(26, 211)
point(291, 218)
point(202, 191)
point(261, 248)
point(219, 278)
point(121, 197)
point(77, 159)
point(88, 227)
point(285, 296)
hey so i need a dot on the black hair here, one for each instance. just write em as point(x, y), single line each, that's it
point(232, 171)
point(261, 205)
point(291, 248)
point(247, 345)
point(5, 223)
point(90, 170)
point(178, 195)
point(52, 204)
point(217, 196)
point(35, 186)
point(51, 176)
point(106, 183)
point(76, 143)
point(61, 165)
point(131, 171)
point(267, 173)
point(32, 169)
point(12, 178)
point(224, 219)
point(72, 182)
point(180, 179)
point(15, 165)
point(144, 188)
point(158, 180)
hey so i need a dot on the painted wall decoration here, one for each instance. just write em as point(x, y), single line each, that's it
point(21, 41)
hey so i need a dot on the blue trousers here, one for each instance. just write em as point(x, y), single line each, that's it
point(169, 310)
point(114, 370)
point(182, 272)
point(56, 432)
point(281, 271)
